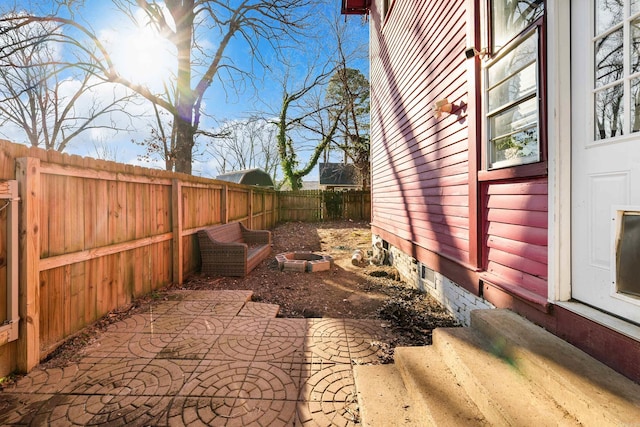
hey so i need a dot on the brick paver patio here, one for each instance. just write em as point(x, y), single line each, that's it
point(204, 358)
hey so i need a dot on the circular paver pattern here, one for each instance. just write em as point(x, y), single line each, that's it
point(206, 326)
point(235, 347)
point(101, 410)
point(145, 345)
point(329, 397)
point(280, 327)
point(214, 411)
point(241, 380)
point(281, 349)
point(135, 377)
point(41, 380)
point(330, 328)
point(191, 308)
point(188, 347)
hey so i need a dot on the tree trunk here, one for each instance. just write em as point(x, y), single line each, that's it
point(184, 16)
point(184, 145)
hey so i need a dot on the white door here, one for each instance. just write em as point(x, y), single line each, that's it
point(605, 87)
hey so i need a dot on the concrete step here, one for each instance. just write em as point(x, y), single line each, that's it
point(431, 384)
point(418, 390)
point(383, 398)
point(503, 370)
point(591, 392)
point(503, 395)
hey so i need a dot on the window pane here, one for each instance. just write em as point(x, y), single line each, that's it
point(608, 14)
point(521, 56)
point(510, 17)
point(609, 58)
point(608, 112)
point(635, 46)
point(514, 135)
point(634, 108)
point(634, 6)
point(518, 86)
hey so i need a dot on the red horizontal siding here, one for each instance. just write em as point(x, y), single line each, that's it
point(401, 166)
point(516, 233)
point(518, 278)
point(419, 164)
point(532, 218)
point(405, 47)
point(524, 265)
point(394, 214)
point(517, 202)
point(525, 250)
point(519, 233)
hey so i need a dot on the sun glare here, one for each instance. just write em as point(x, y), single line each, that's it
point(144, 57)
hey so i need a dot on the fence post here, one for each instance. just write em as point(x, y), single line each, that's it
point(251, 209)
point(275, 208)
point(178, 250)
point(28, 177)
point(224, 200)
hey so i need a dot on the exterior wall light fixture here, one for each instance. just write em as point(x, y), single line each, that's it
point(472, 52)
point(442, 106)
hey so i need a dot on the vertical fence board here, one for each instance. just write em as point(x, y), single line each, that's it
point(74, 215)
point(78, 298)
point(55, 213)
point(90, 213)
point(4, 256)
point(317, 205)
point(91, 293)
point(66, 300)
point(28, 176)
point(102, 214)
point(45, 315)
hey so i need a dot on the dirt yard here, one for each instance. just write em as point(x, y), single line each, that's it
point(347, 291)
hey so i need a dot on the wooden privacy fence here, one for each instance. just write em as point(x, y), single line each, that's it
point(94, 234)
point(319, 205)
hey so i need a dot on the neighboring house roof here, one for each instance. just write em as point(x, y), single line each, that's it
point(306, 185)
point(248, 177)
point(338, 174)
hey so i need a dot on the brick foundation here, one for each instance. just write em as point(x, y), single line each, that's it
point(457, 300)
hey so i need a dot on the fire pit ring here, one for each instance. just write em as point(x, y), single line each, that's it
point(304, 261)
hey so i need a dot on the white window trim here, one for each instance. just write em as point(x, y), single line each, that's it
point(486, 64)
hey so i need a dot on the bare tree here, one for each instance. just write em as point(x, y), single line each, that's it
point(348, 89)
point(50, 102)
point(312, 113)
point(186, 23)
point(246, 144)
point(161, 142)
point(104, 150)
point(303, 116)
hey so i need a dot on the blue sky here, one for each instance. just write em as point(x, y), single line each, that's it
point(221, 102)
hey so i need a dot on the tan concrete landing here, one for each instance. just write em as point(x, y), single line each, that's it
point(204, 358)
point(502, 371)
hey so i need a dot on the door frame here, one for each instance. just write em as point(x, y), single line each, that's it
point(560, 171)
point(559, 148)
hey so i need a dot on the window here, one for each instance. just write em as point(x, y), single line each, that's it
point(616, 74)
point(512, 83)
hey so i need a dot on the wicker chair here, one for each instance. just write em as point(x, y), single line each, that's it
point(232, 249)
